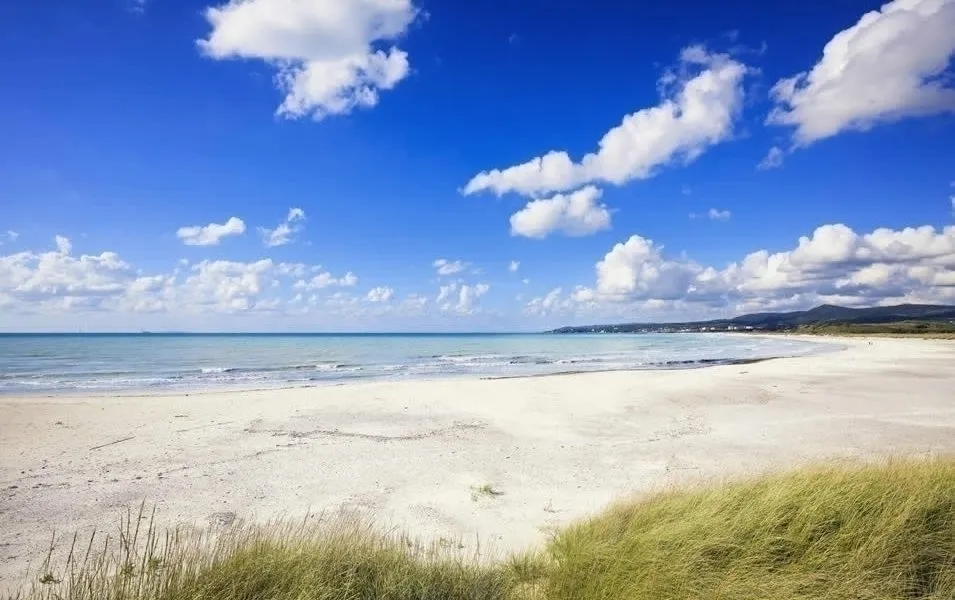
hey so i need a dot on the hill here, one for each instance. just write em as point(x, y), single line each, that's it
point(775, 321)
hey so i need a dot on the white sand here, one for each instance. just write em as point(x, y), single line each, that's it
point(409, 453)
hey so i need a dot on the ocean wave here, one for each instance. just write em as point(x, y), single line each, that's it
point(471, 358)
point(320, 366)
point(484, 360)
point(529, 360)
point(213, 370)
point(582, 361)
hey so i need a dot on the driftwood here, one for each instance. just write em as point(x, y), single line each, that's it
point(126, 439)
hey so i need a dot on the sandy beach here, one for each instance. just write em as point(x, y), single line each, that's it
point(411, 454)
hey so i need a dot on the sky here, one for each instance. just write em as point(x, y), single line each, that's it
point(414, 165)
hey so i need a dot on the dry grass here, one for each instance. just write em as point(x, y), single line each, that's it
point(862, 532)
point(317, 558)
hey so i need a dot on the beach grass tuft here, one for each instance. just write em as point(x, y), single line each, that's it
point(485, 491)
point(877, 532)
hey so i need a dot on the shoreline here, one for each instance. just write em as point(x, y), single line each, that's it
point(823, 347)
point(410, 453)
point(220, 390)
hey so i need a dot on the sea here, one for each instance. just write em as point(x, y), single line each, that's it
point(65, 363)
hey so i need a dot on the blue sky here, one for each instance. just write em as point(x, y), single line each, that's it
point(126, 122)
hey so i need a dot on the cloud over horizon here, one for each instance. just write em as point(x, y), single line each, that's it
point(834, 264)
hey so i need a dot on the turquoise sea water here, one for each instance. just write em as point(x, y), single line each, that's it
point(35, 363)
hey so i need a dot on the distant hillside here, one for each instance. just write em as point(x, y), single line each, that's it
point(825, 314)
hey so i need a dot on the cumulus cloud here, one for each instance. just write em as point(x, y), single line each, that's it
point(834, 264)
point(380, 294)
point(211, 234)
point(9, 236)
point(697, 111)
point(283, 232)
point(226, 286)
point(886, 67)
point(714, 214)
point(57, 282)
point(32, 277)
point(330, 56)
point(460, 298)
point(575, 214)
point(514, 266)
point(772, 160)
point(446, 267)
point(468, 296)
point(546, 305)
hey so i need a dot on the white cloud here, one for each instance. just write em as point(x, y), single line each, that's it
point(546, 305)
point(325, 279)
point(331, 56)
point(773, 159)
point(58, 283)
point(414, 302)
point(834, 264)
point(49, 288)
point(380, 294)
point(636, 267)
point(63, 244)
point(36, 278)
point(468, 296)
point(445, 292)
point(707, 97)
point(211, 234)
point(225, 286)
point(460, 298)
point(714, 214)
point(446, 267)
point(514, 266)
point(283, 232)
point(886, 67)
point(9, 236)
point(575, 214)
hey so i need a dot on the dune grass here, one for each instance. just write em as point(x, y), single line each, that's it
point(874, 532)
point(320, 558)
point(838, 532)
